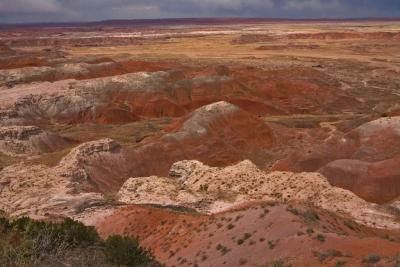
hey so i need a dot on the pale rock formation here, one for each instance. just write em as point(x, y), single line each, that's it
point(29, 140)
point(213, 190)
point(40, 191)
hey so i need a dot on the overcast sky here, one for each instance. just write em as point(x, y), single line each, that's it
point(20, 11)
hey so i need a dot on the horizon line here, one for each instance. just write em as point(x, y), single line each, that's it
point(200, 19)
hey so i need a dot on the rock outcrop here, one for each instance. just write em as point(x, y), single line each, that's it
point(29, 140)
point(213, 190)
point(64, 190)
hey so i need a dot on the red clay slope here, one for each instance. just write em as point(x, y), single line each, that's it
point(365, 160)
point(256, 235)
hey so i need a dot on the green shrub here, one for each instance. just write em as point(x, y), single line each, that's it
point(69, 232)
point(25, 242)
point(126, 251)
point(321, 237)
point(372, 258)
point(277, 263)
point(77, 234)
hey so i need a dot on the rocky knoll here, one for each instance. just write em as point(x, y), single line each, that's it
point(363, 160)
point(64, 190)
point(29, 140)
point(74, 165)
point(195, 185)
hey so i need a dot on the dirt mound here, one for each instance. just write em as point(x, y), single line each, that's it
point(29, 140)
point(257, 235)
point(362, 160)
point(378, 181)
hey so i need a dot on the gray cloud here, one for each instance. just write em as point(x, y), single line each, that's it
point(16, 11)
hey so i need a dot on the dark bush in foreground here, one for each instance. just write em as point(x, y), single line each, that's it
point(28, 243)
point(126, 251)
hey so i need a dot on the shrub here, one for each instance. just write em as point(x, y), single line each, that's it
point(293, 210)
point(349, 224)
point(69, 233)
point(25, 242)
point(126, 251)
point(277, 263)
point(310, 231)
point(311, 215)
point(321, 237)
point(77, 234)
point(230, 226)
point(225, 250)
point(271, 244)
point(332, 253)
point(372, 258)
point(242, 261)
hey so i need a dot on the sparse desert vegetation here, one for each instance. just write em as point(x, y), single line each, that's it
point(25, 242)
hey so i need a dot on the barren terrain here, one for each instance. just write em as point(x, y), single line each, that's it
point(217, 143)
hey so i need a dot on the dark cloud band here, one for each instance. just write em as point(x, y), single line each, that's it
point(16, 11)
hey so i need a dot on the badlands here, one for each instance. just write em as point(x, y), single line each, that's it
point(214, 142)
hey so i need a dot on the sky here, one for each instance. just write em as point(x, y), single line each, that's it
point(25, 11)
